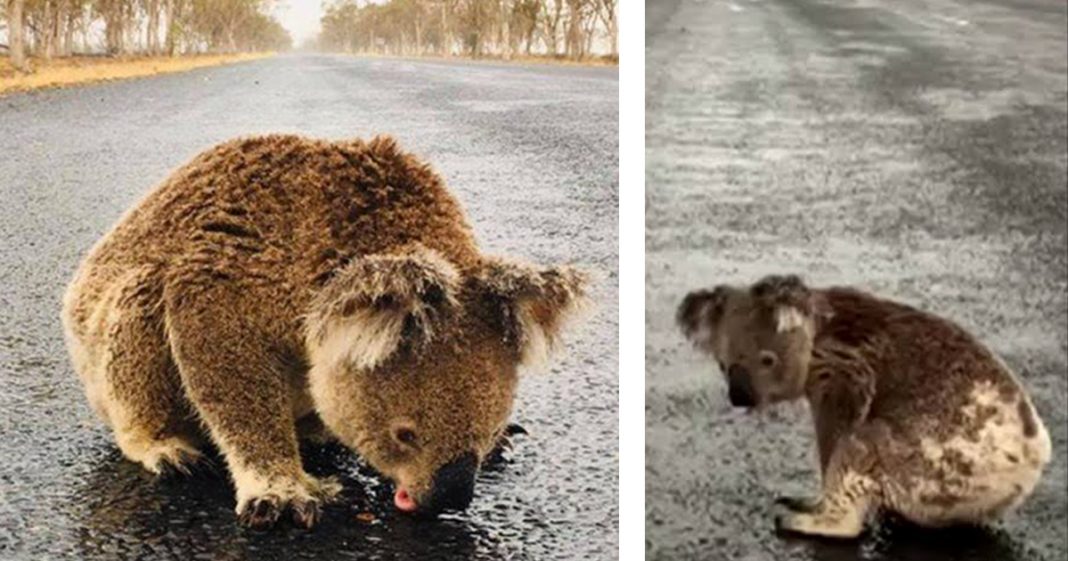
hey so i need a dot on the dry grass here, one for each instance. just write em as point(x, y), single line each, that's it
point(79, 70)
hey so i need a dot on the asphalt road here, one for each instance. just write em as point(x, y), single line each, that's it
point(916, 149)
point(531, 151)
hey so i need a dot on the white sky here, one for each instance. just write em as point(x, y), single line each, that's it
point(300, 18)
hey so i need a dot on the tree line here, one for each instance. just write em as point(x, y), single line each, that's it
point(51, 28)
point(567, 28)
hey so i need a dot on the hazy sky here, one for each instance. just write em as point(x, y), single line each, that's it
point(300, 18)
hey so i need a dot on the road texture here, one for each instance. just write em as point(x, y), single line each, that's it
point(532, 153)
point(916, 149)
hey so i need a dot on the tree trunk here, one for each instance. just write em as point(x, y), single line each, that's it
point(113, 32)
point(47, 38)
point(16, 35)
point(83, 29)
point(553, 26)
point(446, 41)
point(134, 41)
point(153, 9)
point(573, 35)
point(55, 26)
point(506, 30)
point(418, 37)
point(169, 40)
point(613, 35)
point(67, 45)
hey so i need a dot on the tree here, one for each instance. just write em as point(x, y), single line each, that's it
point(576, 42)
point(606, 12)
point(16, 39)
point(115, 14)
point(175, 13)
point(525, 22)
point(153, 9)
point(475, 24)
point(552, 14)
point(47, 28)
point(479, 27)
point(505, 39)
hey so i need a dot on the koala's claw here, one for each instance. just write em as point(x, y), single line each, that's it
point(306, 514)
point(264, 512)
point(261, 512)
point(166, 458)
point(171, 471)
point(798, 504)
point(187, 465)
point(780, 522)
point(504, 443)
point(784, 524)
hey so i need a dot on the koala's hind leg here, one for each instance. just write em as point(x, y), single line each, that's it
point(236, 383)
point(140, 395)
point(850, 493)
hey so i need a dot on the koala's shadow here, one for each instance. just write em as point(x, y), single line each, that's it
point(894, 539)
point(127, 513)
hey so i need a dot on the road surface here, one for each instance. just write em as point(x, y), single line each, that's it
point(917, 149)
point(530, 150)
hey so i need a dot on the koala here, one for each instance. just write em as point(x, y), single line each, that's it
point(912, 414)
point(279, 287)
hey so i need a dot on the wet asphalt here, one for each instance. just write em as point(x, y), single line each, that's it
point(531, 151)
point(916, 149)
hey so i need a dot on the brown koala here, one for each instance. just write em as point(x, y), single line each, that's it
point(912, 414)
point(277, 281)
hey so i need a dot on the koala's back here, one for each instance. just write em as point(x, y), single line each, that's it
point(273, 216)
point(925, 363)
point(285, 193)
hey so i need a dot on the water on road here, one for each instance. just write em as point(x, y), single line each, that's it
point(530, 151)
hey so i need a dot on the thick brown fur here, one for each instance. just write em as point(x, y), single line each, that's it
point(912, 413)
point(274, 279)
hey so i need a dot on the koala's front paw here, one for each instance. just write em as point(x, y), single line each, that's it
point(264, 512)
point(302, 502)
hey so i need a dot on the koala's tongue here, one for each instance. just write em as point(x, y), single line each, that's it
point(403, 501)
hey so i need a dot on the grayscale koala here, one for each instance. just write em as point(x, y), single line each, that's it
point(912, 414)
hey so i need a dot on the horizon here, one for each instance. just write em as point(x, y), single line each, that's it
point(300, 18)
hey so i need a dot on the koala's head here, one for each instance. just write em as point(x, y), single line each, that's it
point(414, 364)
point(761, 336)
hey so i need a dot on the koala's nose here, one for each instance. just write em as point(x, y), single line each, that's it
point(454, 484)
point(740, 386)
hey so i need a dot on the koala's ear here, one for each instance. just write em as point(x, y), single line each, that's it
point(786, 298)
point(533, 304)
point(700, 311)
point(377, 303)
